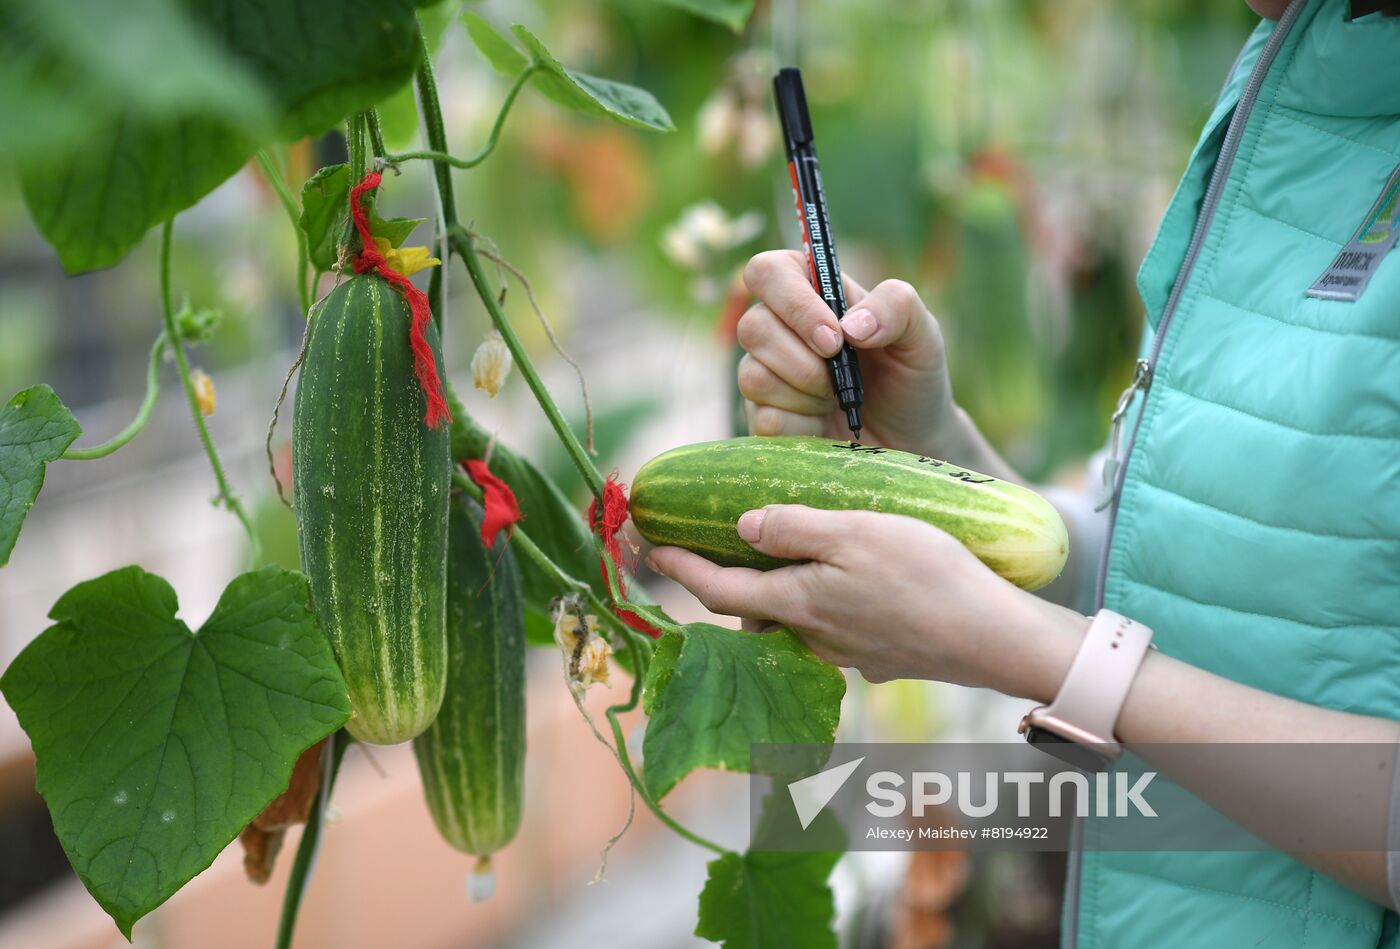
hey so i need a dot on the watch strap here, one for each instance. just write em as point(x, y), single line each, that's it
point(1096, 686)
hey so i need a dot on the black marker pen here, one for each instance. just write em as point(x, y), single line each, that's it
point(816, 233)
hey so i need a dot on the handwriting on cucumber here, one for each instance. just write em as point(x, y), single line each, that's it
point(952, 471)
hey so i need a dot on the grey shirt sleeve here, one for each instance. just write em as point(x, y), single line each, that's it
point(1077, 586)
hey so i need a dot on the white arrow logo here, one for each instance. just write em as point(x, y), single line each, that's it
point(811, 794)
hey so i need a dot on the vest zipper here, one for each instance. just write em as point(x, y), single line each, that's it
point(1146, 369)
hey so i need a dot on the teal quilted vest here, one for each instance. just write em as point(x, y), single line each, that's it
point(1257, 526)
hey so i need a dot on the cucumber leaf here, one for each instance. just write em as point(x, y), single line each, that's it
point(35, 428)
point(711, 693)
point(769, 899)
point(325, 209)
point(592, 94)
point(155, 746)
point(731, 13)
point(499, 51)
point(138, 163)
point(574, 90)
point(393, 229)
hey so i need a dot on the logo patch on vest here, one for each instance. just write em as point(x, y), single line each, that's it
point(1348, 275)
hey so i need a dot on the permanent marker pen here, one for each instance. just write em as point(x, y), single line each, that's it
point(816, 234)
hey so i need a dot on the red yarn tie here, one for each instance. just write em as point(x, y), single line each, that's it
point(370, 259)
point(607, 525)
point(502, 510)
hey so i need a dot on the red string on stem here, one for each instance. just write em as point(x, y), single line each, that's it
point(370, 259)
point(607, 523)
point(502, 510)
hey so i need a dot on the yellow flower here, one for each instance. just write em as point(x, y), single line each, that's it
point(406, 260)
point(204, 391)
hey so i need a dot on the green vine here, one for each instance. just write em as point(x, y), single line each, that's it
point(620, 741)
point(431, 113)
point(443, 157)
point(460, 243)
point(310, 839)
point(226, 497)
point(143, 414)
point(520, 540)
point(376, 133)
point(460, 240)
point(289, 204)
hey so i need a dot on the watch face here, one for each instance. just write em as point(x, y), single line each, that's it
point(1084, 757)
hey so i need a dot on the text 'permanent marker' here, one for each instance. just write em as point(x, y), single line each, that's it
point(816, 233)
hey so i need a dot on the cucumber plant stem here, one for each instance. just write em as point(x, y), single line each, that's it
point(376, 133)
point(430, 113)
point(310, 840)
point(521, 541)
point(357, 147)
point(461, 243)
point(172, 332)
point(143, 414)
point(620, 741)
point(289, 204)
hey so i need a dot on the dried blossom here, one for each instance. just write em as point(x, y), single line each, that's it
point(491, 364)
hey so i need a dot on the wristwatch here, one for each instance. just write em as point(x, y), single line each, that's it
point(1078, 726)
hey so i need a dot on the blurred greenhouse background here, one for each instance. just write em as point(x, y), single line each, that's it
point(1010, 158)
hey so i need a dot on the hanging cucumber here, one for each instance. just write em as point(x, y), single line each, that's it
point(472, 758)
point(370, 482)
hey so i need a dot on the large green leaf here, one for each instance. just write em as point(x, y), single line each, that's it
point(712, 693)
point(35, 428)
point(761, 899)
point(591, 94)
point(61, 64)
point(156, 746)
point(732, 13)
point(314, 60)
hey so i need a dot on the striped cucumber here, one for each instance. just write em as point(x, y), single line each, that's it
point(472, 758)
point(692, 496)
point(370, 483)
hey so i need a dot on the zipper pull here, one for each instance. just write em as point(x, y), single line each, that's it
point(1142, 378)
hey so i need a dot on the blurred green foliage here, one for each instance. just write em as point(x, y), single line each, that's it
point(1008, 157)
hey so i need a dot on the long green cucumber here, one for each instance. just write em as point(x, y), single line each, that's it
point(472, 758)
point(370, 486)
point(692, 496)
